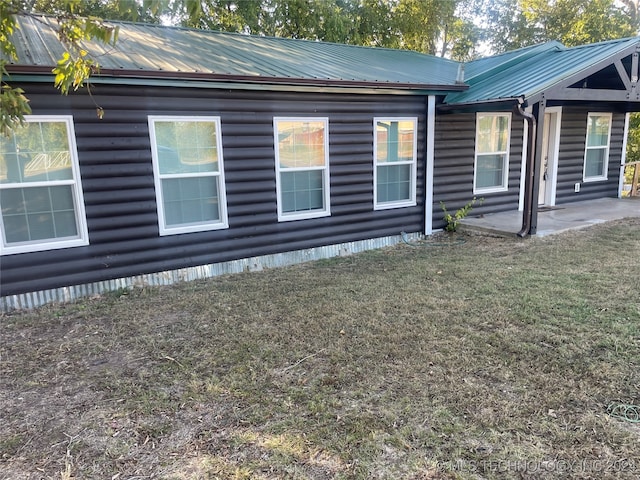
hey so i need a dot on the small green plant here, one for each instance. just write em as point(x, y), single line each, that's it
point(454, 220)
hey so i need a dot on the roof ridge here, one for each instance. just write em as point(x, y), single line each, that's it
point(513, 57)
point(535, 46)
point(604, 42)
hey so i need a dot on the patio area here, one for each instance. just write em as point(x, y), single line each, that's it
point(557, 219)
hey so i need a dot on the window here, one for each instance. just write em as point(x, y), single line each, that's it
point(40, 190)
point(491, 171)
point(189, 173)
point(596, 156)
point(395, 152)
point(302, 167)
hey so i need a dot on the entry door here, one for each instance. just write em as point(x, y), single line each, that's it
point(548, 163)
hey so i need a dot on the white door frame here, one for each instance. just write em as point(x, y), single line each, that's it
point(551, 139)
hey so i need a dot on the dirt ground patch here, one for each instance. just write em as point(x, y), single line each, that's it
point(486, 358)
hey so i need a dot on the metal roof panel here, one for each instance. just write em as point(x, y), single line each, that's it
point(536, 73)
point(157, 48)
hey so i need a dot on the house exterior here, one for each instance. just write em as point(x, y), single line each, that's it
point(579, 98)
point(221, 153)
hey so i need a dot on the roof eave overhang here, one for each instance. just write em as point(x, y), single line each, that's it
point(252, 82)
point(559, 90)
point(496, 104)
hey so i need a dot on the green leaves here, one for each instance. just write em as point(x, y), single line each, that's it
point(519, 23)
point(76, 65)
point(75, 29)
point(7, 28)
point(13, 103)
point(73, 69)
point(73, 72)
point(453, 220)
point(13, 107)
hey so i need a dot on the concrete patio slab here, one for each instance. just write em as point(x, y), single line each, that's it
point(557, 219)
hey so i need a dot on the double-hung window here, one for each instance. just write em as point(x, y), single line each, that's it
point(302, 167)
point(40, 189)
point(596, 155)
point(189, 173)
point(395, 154)
point(491, 170)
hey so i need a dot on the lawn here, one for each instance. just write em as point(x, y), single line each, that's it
point(477, 358)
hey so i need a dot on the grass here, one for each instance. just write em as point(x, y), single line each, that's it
point(493, 359)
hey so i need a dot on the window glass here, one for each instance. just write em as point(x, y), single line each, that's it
point(395, 157)
point(301, 144)
point(190, 200)
point(302, 167)
point(394, 183)
point(596, 156)
point(598, 130)
point(302, 190)
point(186, 146)
point(189, 175)
point(40, 190)
point(37, 152)
point(489, 170)
point(492, 152)
point(493, 133)
point(595, 162)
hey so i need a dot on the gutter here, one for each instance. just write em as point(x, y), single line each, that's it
point(476, 105)
point(527, 214)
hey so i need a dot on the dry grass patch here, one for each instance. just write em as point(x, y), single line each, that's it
point(492, 359)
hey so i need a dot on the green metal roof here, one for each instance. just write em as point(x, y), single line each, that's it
point(171, 52)
point(527, 73)
point(489, 65)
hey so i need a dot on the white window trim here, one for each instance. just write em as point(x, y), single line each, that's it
point(607, 148)
point(505, 173)
point(324, 212)
point(82, 238)
point(413, 163)
point(158, 177)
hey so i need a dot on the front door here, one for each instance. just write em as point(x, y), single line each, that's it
point(548, 163)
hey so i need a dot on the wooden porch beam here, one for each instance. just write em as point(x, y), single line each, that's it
point(623, 74)
point(602, 95)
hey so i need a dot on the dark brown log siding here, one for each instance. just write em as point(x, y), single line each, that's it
point(117, 177)
point(573, 137)
point(454, 162)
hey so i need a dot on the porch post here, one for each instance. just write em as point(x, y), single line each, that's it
point(523, 164)
point(538, 111)
point(623, 157)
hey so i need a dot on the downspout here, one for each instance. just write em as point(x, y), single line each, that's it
point(529, 170)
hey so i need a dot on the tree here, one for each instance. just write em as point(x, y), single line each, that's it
point(420, 21)
point(71, 71)
point(462, 36)
point(519, 23)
